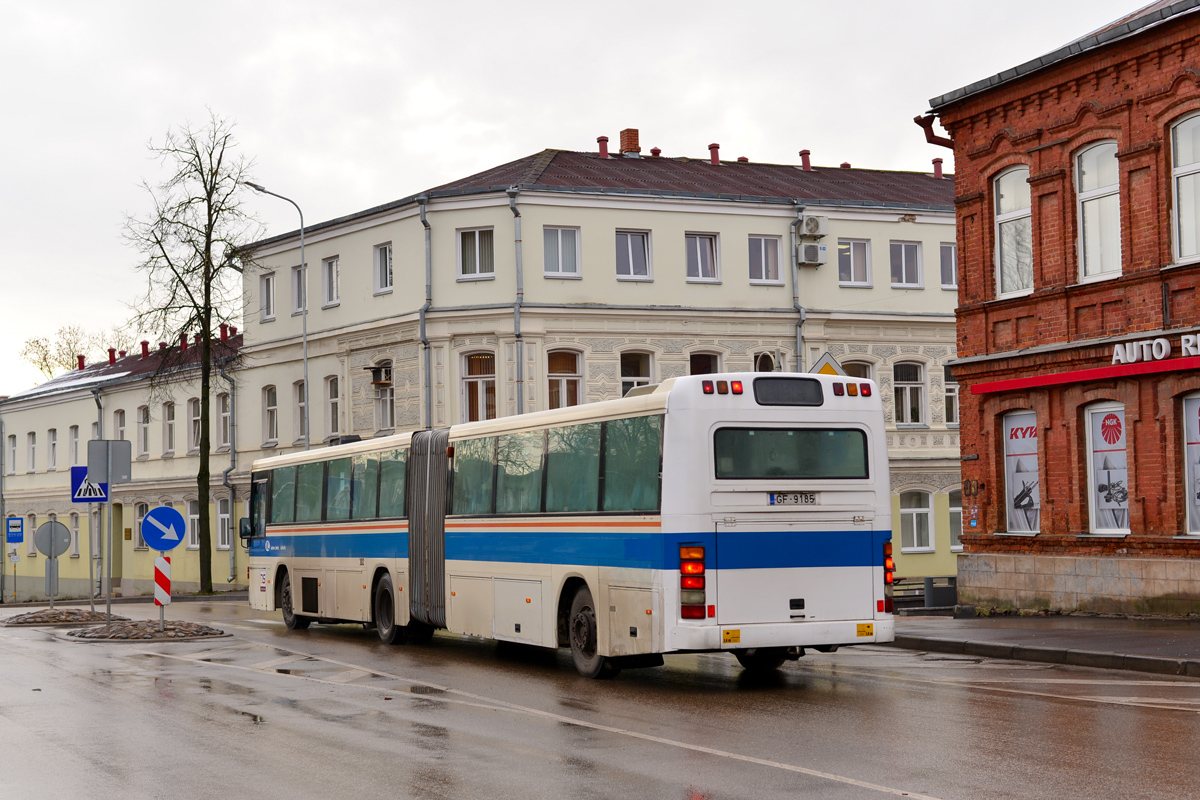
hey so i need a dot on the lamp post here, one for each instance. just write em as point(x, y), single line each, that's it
point(304, 291)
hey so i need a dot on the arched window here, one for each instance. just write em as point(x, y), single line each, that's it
point(30, 529)
point(139, 512)
point(143, 431)
point(479, 386)
point(385, 396)
point(224, 524)
point(270, 424)
point(1185, 177)
point(1014, 232)
point(564, 374)
point(908, 382)
point(1098, 207)
point(168, 411)
point(702, 364)
point(193, 524)
point(916, 529)
point(635, 371)
point(119, 424)
point(224, 414)
point(1108, 469)
point(332, 406)
point(74, 526)
point(764, 362)
point(193, 407)
point(857, 369)
point(300, 417)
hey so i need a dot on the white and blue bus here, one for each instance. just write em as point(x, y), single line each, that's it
point(747, 513)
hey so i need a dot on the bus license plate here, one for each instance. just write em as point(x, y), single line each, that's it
point(793, 498)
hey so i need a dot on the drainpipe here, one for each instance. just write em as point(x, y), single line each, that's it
point(799, 366)
point(232, 466)
point(513, 191)
point(96, 552)
point(421, 201)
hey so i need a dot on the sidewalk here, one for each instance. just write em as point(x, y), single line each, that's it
point(1163, 646)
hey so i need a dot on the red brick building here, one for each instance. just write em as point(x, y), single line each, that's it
point(1077, 178)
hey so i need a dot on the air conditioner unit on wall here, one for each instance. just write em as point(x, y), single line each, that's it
point(811, 254)
point(814, 226)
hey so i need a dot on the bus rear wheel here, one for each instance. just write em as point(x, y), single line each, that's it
point(582, 627)
point(761, 659)
point(291, 620)
point(385, 613)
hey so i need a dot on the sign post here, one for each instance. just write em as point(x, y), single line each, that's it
point(162, 586)
point(163, 529)
point(52, 539)
point(90, 492)
point(15, 535)
point(109, 462)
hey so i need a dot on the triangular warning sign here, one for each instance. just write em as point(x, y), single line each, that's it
point(828, 365)
point(89, 491)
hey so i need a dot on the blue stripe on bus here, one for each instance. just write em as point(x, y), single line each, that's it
point(736, 549)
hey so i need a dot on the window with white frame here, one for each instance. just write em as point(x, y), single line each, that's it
point(383, 267)
point(143, 431)
point(565, 378)
point(1108, 469)
point(908, 383)
point(956, 521)
point(385, 397)
point(299, 401)
point(73, 445)
point(329, 281)
point(951, 389)
point(1014, 232)
point(764, 259)
point(270, 405)
point(1098, 209)
point(1023, 504)
point(299, 290)
point(476, 259)
point(30, 527)
point(139, 512)
point(12, 454)
point(193, 407)
point(94, 533)
point(702, 262)
point(906, 264)
point(31, 456)
point(1191, 457)
point(95, 430)
point(52, 449)
point(479, 387)
point(119, 424)
point(225, 420)
point(193, 525)
point(633, 255)
point(854, 262)
point(168, 412)
point(332, 406)
point(224, 524)
point(764, 362)
point(74, 527)
point(561, 249)
point(266, 297)
point(702, 364)
point(949, 253)
point(857, 369)
point(1185, 180)
point(635, 371)
point(916, 523)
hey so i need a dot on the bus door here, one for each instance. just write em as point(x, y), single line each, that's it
point(427, 481)
point(793, 567)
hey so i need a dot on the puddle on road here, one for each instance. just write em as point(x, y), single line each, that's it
point(426, 690)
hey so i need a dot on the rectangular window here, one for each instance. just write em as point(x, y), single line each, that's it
point(223, 412)
point(949, 253)
point(1022, 497)
point(143, 431)
point(561, 247)
point(701, 256)
point(479, 387)
point(564, 378)
point(383, 268)
point(1109, 470)
point(283, 495)
point(30, 527)
point(790, 454)
point(1191, 457)
point(329, 282)
point(906, 264)
point(193, 525)
point(308, 492)
point(72, 445)
point(168, 428)
point(854, 262)
point(270, 414)
point(632, 464)
point(52, 449)
point(951, 404)
point(474, 464)
point(31, 461)
point(391, 483)
point(1014, 231)
point(337, 489)
point(332, 414)
point(266, 292)
point(764, 259)
point(909, 386)
point(956, 521)
point(301, 404)
point(74, 535)
point(365, 494)
point(475, 257)
point(194, 425)
point(519, 473)
point(573, 468)
point(139, 515)
point(12, 455)
point(635, 371)
point(1099, 210)
point(299, 290)
point(224, 524)
point(119, 424)
point(915, 528)
point(633, 255)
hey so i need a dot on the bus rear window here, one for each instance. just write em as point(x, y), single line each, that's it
point(790, 453)
point(788, 392)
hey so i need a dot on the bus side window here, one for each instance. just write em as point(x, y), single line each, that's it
point(391, 483)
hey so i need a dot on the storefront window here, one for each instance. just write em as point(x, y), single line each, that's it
point(1108, 468)
point(1022, 498)
point(1191, 455)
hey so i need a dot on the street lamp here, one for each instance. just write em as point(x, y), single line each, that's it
point(304, 309)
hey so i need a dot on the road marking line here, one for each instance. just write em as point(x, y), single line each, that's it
point(275, 662)
point(347, 676)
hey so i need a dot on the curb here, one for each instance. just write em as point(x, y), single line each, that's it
point(141, 598)
point(1051, 655)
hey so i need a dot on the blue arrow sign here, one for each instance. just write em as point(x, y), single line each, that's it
point(163, 528)
point(85, 491)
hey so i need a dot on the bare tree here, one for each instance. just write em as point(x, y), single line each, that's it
point(58, 355)
point(189, 243)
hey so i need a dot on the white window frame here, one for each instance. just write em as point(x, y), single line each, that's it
point(31, 456)
point(908, 387)
point(639, 380)
point(383, 270)
point(270, 411)
point(477, 385)
point(193, 524)
point(266, 297)
point(332, 395)
point(193, 409)
point(119, 424)
point(914, 513)
point(1191, 461)
point(699, 241)
point(143, 431)
point(560, 273)
point(224, 524)
point(52, 450)
point(952, 247)
point(12, 454)
point(168, 413)
point(299, 290)
point(847, 365)
point(385, 400)
point(73, 526)
point(629, 234)
point(478, 274)
point(1093, 513)
point(951, 399)
point(917, 266)
point(867, 281)
point(563, 380)
point(1095, 195)
point(72, 445)
point(763, 240)
point(30, 527)
point(140, 510)
point(224, 420)
point(330, 279)
point(298, 417)
point(1178, 172)
point(955, 510)
point(1001, 219)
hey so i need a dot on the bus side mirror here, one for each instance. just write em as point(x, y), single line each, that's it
point(244, 528)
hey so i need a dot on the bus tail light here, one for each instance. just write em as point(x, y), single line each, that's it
point(852, 389)
point(692, 612)
point(866, 389)
point(735, 387)
point(838, 389)
point(691, 580)
point(889, 579)
point(707, 386)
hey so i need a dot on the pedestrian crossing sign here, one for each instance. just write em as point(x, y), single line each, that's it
point(85, 491)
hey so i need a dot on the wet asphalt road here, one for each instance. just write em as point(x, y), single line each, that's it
point(331, 713)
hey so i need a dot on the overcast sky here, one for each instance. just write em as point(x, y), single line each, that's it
point(344, 106)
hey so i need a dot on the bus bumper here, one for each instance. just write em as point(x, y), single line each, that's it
point(796, 634)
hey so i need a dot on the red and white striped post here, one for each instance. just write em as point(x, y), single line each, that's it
point(162, 586)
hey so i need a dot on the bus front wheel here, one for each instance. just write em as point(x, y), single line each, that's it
point(584, 651)
point(385, 613)
point(292, 620)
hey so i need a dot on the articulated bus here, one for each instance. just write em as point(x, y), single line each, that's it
point(746, 513)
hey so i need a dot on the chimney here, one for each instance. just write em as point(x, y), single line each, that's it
point(603, 142)
point(233, 330)
point(162, 345)
point(112, 355)
point(224, 332)
point(81, 364)
point(805, 164)
point(655, 151)
point(937, 168)
point(183, 341)
point(714, 154)
point(743, 159)
point(845, 165)
point(629, 142)
point(145, 349)
point(198, 337)
point(122, 353)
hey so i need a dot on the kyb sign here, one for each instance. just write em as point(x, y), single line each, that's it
point(1154, 349)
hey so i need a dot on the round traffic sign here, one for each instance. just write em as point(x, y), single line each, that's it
point(52, 539)
point(163, 528)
